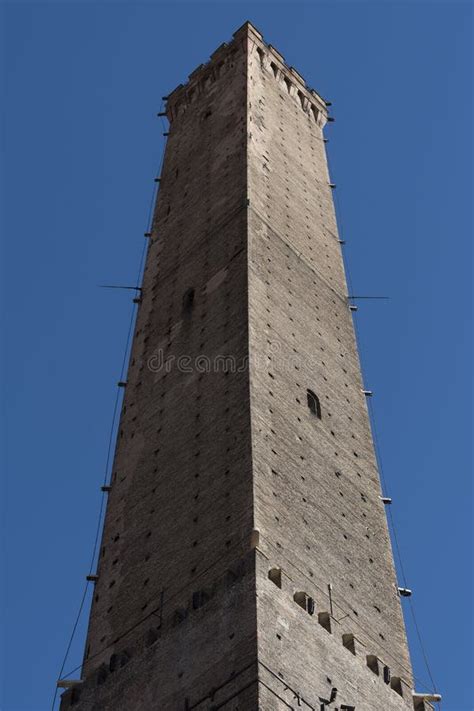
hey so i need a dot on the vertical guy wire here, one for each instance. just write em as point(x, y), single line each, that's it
point(112, 431)
point(372, 420)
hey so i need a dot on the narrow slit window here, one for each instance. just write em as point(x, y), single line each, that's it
point(324, 619)
point(200, 597)
point(349, 642)
point(373, 663)
point(396, 685)
point(315, 113)
point(274, 574)
point(313, 403)
point(188, 300)
point(304, 601)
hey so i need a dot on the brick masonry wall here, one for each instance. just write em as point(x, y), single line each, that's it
point(316, 486)
point(221, 472)
point(180, 514)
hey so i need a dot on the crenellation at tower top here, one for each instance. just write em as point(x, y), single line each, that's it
point(221, 60)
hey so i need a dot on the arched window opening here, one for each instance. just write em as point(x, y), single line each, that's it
point(313, 403)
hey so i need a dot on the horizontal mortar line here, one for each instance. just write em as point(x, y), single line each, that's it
point(146, 497)
point(157, 609)
point(267, 149)
point(310, 580)
point(285, 684)
point(352, 355)
point(369, 448)
point(177, 592)
point(297, 694)
point(180, 320)
point(196, 243)
point(276, 151)
point(324, 228)
point(314, 560)
point(167, 553)
point(313, 181)
point(370, 469)
point(374, 532)
point(327, 232)
point(353, 362)
point(355, 465)
point(279, 697)
point(229, 698)
point(215, 689)
point(228, 213)
point(369, 459)
point(224, 349)
point(278, 185)
point(336, 604)
point(306, 356)
point(264, 128)
point(203, 513)
point(327, 492)
point(148, 420)
point(342, 297)
point(301, 207)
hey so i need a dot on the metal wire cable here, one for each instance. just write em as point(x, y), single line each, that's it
point(154, 610)
point(382, 473)
point(71, 638)
point(111, 437)
point(110, 441)
point(397, 547)
point(99, 521)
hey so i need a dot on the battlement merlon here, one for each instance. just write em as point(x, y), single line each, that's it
point(183, 94)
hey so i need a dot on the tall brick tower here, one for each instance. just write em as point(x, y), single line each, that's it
point(245, 559)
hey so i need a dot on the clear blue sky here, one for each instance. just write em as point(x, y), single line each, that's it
point(81, 145)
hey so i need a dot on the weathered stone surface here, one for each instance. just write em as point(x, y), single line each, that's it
point(222, 473)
